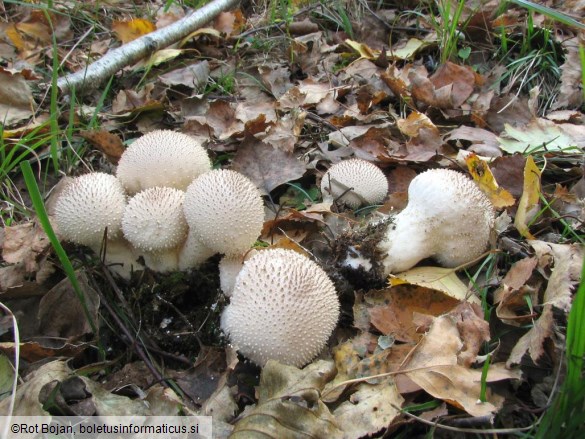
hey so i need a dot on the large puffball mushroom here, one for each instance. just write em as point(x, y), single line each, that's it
point(447, 218)
point(88, 205)
point(162, 158)
point(154, 223)
point(354, 182)
point(226, 211)
point(283, 307)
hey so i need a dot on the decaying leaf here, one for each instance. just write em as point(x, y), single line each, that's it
point(108, 143)
point(533, 341)
point(289, 404)
point(61, 313)
point(266, 166)
point(25, 244)
point(16, 100)
point(436, 366)
point(530, 199)
point(370, 409)
point(192, 76)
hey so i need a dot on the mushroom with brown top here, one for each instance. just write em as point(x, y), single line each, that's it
point(162, 158)
point(88, 206)
point(447, 218)
point(226, 211)
point(283, 307)
point(154, 223)
point(354, 183)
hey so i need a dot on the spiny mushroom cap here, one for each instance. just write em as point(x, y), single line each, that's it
point(447, 217)
point(88, 205)
point(367, 182)
point(153, 220)
point(162, 158)
point(226, 211)
point(283, 307)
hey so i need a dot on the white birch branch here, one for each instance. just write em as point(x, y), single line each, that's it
point(97, 72)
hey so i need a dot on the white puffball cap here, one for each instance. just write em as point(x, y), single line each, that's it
point(368, 182)
point(226, 211)
point(88, 205)
point(162, 158)
point(447, 218)
point(153, 220)
point(283, 307)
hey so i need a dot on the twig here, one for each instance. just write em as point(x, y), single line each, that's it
point(129, 53)
point(464, 430)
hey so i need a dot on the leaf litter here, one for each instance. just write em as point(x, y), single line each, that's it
point(281, 108)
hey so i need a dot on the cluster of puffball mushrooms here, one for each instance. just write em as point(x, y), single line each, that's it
point(168, 208)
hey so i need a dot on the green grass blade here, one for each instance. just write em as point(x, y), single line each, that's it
point(549, 12)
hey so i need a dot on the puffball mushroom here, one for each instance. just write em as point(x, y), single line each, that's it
point(283, 307)
point(355, 182)
point(154, 223)
point(226, 211)
point(447, 218)
point(162, 158)
point(88, 205)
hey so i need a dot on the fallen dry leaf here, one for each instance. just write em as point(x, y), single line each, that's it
point(61, 314)
point(370, 408)
point(441, 376)
point(25, 244)
point(16, 100)
point(533, 341)
point(391, 310)
point(530, 199)
point(289, 403)
point(129, 30)
point(444, 280)
point(108, 143)
point(266, 166)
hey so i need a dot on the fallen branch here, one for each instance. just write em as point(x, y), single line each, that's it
point(127, 54)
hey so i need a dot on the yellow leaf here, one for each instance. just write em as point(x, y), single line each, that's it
point(203, 31)
point(407, 51)
point(127, 31)
point(440, 279)
point(161, 56)
point(362, 49)
point(482, 175)
point(529, 199)
point(15, 38)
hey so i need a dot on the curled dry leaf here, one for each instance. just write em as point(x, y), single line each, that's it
point(289, 404)
point(482, 175)
point(529, 201)
point(437, 366)
point(370, 409)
